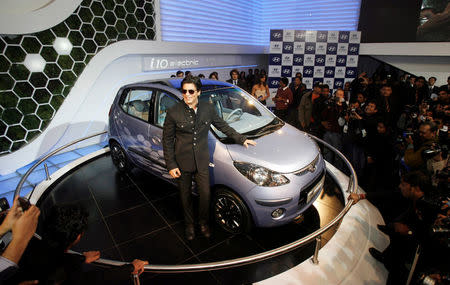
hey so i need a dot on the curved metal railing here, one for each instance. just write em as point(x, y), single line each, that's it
point(352, 188)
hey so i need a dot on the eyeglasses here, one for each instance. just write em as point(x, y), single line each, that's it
point(191, 91)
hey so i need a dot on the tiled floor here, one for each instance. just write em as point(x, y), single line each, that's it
point(136, 215)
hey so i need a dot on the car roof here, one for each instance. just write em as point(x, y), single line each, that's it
point(207, 84)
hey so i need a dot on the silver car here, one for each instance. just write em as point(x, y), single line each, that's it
point(267, 185)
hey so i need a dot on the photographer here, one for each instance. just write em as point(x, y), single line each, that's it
point(416, 151)
point(354, 136)
point(332, 121)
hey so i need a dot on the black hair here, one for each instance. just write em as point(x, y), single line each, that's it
point(233, 71)
point(259, 79)
point(417, 179)
point(194, 80)
point(386, 85)
point(433, 78)
point(213, 73)
point(284, 80)
point(444, 88)
point(179, 72)
point(432, 125)
point(63, 225)
point(172, 76)
point(201, 75)
point(323, 86)
point(373, 102)
point(317, 84)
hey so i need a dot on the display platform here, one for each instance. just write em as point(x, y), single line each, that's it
point(137, 215)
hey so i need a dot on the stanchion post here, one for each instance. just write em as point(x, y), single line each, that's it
point(136, 280)
point(315, 258)
point(46, 172)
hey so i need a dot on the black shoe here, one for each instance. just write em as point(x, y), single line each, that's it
point(385, 229)
point(189, 232)
point(205, 230)
point(378, 255)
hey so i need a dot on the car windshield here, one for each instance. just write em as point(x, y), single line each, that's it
point(241, 111)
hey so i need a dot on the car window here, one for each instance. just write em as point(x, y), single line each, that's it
point(137, 103)
point(164, 101)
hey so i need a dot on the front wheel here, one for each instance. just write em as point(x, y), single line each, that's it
point(230, 212)
point(119, 157)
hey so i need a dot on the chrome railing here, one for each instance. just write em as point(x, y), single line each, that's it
point(352, 188)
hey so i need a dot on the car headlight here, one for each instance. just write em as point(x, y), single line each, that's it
point(260, 175)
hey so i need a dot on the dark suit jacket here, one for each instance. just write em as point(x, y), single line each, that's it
point(50, 266)
point(185, 136)
point(240, 83)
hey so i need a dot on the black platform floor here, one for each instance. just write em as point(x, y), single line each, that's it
point(137, 215)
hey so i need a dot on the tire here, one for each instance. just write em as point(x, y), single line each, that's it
point(230, 212)
point(119, 157)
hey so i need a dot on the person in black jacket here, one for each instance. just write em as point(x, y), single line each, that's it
point(186, 153)
point(50, 261)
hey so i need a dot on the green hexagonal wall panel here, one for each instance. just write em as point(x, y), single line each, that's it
point(28, 101)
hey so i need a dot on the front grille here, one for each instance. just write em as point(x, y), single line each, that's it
point(310, 167)
point(304, 192)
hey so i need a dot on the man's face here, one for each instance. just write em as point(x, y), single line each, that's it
point(425, 133)
point(282, 85)
point(406, 189)
point(297, 81)
point(180, 75)
point(234, 75)
point(347, 86)
point(339, 94)
point(431, 81)
point(381, 128)
point(386, 91)
point(443, 95)
point(361, 98)
point(371, 108)
point(190, 99)
point(412, 80)
point(316, 90)
point(325, 92)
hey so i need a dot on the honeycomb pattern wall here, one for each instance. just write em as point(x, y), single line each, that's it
point(37, 71)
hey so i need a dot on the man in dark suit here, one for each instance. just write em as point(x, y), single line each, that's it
point(185, 143)
point(234, 74)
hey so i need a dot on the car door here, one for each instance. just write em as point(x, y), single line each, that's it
point(133, 124)
point(163, 101)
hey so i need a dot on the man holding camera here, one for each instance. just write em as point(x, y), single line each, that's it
point(416, 150)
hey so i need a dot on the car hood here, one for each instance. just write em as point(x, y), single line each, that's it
point(285, 150)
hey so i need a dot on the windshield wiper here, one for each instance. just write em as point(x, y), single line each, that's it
point(273, 126)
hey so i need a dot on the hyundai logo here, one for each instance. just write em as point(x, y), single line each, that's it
point(274, 82)
point(310, 48)
point(308, 71)
point(321, 36)
point(353, 49)
point(320, 60)
point(286, 71)
point(276, 59)
point(339, 83)
point(343, 37)
point(341, 60)
point(288, 47)
point(329, 72)
point(350, 72)
point(298, 59)
point(276, 45)
point(276, 35)
point(331, 48)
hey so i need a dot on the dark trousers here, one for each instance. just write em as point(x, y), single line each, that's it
point(282, 114)
point(185, 184)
